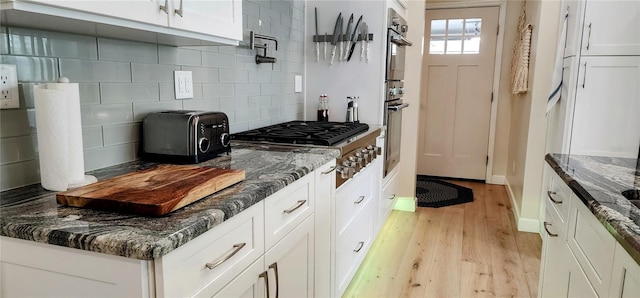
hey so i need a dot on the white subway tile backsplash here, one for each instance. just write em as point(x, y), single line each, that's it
point(203, 74)
point(109, 156)
point(129, 92)
point(202, 104)
point(95, 71)
point(52, 44)
point(179, 56)
point(217, 90)
point(140, 110)
point(234, 76)
point(218, 60)
point(122, 81)
point(122, 133)
point(106, 114)
point(33, 69)
point(152, 72)
point(92, 137)
point(129, 51)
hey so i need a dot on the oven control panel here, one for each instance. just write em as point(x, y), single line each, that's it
point(354, 161)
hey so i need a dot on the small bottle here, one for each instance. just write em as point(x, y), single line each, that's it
point(323, 108)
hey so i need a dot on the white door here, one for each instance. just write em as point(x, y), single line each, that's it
point(457, 77)
point(145, 11)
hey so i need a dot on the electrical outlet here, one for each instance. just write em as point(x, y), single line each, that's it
point(183, 84)
point(9, 87)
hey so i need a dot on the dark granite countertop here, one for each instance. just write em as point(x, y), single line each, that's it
point(32, 213)
point(599, 182)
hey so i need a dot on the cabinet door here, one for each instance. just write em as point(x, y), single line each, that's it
point(290, 263)
point(325, 194)
point(221, 18)
point(579, 285)
point(249, 284)
point(554, 267)
point(145, 11)
point(606, 121)
point(625, 281)
point(574, 10)
point(611, 28)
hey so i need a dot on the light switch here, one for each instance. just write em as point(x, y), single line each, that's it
point(183, 84)
point(297, 82)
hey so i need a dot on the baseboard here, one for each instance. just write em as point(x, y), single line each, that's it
point(524, 224)
point(498, 179)
point(405, 204)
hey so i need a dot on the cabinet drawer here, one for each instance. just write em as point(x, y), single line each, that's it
point(592, 245)
point(355, 244)
point(287, 208)
point(558, 197)
point(388, 198)
point(205, 264)
point(351, 199)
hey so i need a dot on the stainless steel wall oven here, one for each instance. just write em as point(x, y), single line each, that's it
point(394, 86)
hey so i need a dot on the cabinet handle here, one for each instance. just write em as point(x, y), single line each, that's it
point(236, 249)
point(393, 196)
point(265, 275)
point(274, 266)
point(329, 170)
point(298, 205)
point(584, 77)
point(589, 37)
point(359, 200)
point(546, 228)
point(179, 11)
point(550, 195)
point(360, 245)
point(165, 7)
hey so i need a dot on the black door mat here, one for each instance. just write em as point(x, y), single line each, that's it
point(437, 193)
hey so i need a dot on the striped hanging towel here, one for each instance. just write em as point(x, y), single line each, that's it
point(556, 80)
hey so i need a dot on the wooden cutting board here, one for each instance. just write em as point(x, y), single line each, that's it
point(152, 192)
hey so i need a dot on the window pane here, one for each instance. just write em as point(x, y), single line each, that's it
point(436, 45)
point(472, 45)
point(455, 27)
point(438, 27)
point(454, 45)
point(472, 27)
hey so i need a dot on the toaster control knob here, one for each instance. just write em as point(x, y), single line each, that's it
point(204, 144)
point(225, 139)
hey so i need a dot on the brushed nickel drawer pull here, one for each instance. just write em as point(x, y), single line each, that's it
point(179, 11)
point(360, 245)
point(546, 228)
point(393, 196)
point(589, 38)
point(329, 170)
point(236, 249)
point(265, 275)
point(550, 195)
point(360, 199)
point(298, 205)
point(274, 266)
point(165, 7)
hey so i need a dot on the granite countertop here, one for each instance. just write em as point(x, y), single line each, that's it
point(32, 213)
point(599, 182)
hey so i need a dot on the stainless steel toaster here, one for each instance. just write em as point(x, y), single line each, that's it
point(185, 136)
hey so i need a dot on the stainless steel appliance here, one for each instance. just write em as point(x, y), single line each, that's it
point(356, 141)
point(185, 136)
point(396, 46)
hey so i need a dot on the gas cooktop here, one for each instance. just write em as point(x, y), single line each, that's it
point(304, 132)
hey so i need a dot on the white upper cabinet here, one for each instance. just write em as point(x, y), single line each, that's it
point(573, 10)
point(221, 18)
point(611, 28)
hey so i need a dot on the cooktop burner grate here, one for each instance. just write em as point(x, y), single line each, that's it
point(304, 132)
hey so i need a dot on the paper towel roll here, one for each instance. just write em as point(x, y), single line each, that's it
point(74, 123)
point(53, 134)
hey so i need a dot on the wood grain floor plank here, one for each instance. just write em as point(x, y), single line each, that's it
point(477, 281)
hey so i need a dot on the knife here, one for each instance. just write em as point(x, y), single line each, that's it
point(326, 41)
point(317, 39)
point(347, 36)
point(366, 51)
point(340, 37)
point(336, 34)
point(354, 39)
point(365, 37)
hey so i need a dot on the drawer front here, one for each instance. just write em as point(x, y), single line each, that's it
point(558, 197)
point(592, 245)
point(388, 198)
point(287, 208)
point(554, 267)
point(353, 248)
point(204, 265)
point(351, 199)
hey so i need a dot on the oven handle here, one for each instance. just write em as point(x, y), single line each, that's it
point(398, 107)
point(400, 40)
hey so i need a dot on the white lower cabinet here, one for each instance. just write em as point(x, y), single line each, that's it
point(249, 284)
point(580, 258)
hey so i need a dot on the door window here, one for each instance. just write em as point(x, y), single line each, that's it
point(455, 36)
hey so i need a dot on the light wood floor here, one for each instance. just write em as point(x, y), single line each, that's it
point(465, 250)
